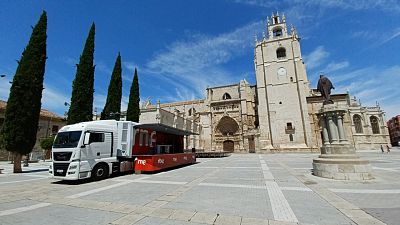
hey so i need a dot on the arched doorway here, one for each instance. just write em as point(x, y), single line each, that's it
point(228, 146)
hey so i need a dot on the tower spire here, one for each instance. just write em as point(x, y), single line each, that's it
point(277, 27)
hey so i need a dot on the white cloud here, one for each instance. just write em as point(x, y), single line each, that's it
point(130, 67)
point(54, 100)
point(190, 66)
point(395, 34)
point(316, 57)
point(69, 60)
point(99, 101)
point(366, 34)
point(387, 5)
point(51, 98)
point(263, 3)
point(102, 67)
point(371, 85)
point(376, 37)
point(333, 66)
point(4, 88)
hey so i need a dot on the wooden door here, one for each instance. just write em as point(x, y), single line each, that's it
point(228, 146)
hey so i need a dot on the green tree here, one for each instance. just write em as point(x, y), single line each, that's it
point(81, 106)
point(112, 109)
point(133, 111)
point(24, 103)
point(47, 143)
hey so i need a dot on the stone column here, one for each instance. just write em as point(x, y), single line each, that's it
point(338, 160)
point(332, 129)
point(325, 134)
point(342, 137)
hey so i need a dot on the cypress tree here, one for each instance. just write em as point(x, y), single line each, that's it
point(24, 103)
point(112, 109)
point(81, 106)
point(133, 111)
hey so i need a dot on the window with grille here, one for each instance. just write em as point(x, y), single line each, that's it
point(374, 124)
point(281, 53)
point(357, 123)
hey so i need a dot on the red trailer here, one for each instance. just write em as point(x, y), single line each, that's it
point(157, 147)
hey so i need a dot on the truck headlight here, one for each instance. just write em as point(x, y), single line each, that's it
point(73, 167)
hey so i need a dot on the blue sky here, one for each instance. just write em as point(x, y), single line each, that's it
point(182, 46)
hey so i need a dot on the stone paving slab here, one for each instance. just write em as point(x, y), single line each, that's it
point(231, 190)
point(182, 215)
point(133, 193)
point(159, 221)
point(390, 215)
point(254, 221)
point(128, 219)
point(60, 215)
point(207, 218)
point(232, 201)
point(228, 220)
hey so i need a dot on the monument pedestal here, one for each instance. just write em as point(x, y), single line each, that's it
point(338, 159)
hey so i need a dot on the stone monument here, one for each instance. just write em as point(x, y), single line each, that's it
point(338, 159)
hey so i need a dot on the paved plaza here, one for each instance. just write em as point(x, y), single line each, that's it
point(240, 189)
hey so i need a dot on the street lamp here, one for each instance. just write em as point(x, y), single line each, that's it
point(66, 112)
point(95, 113)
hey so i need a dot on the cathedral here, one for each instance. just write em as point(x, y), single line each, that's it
point(277, 114)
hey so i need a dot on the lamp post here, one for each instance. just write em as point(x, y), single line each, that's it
point(66, 112)
point(95, 113)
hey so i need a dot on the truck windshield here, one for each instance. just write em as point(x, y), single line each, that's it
point(67, 139)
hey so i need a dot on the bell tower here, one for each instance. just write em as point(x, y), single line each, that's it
point(282, 88)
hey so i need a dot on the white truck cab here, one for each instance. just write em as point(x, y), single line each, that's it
point(83, 150)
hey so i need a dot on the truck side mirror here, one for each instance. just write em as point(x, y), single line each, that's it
point(86, 139)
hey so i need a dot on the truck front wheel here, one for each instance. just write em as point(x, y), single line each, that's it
point(100, 172)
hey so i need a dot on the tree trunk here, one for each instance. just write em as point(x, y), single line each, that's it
point(17, 162)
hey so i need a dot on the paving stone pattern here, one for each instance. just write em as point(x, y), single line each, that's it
point(241, 189)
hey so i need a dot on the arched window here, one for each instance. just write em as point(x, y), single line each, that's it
point(192, 111)
point(227, 126)
point(357, 124)
point(374, 124)
point(281, 53)
point(226, 96)
point(277, 32)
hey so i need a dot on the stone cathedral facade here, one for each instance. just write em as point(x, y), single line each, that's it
point(279, 113)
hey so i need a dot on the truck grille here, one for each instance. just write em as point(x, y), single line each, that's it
point(62, 156)
point(60, 169)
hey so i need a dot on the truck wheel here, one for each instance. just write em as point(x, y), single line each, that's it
point(100, 172)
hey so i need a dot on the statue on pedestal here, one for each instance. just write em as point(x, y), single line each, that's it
point(324, 87)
